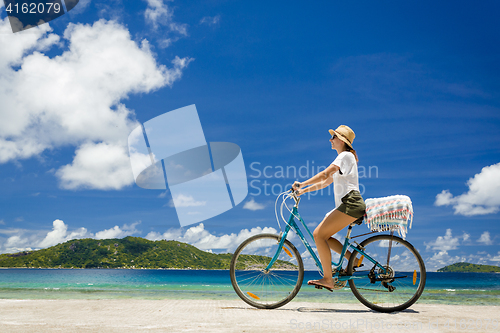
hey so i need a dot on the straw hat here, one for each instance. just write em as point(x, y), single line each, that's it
point(344, 133)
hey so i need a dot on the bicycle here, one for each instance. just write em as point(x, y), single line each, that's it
point(267, 269)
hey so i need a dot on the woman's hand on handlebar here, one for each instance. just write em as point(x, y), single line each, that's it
point(295, 188)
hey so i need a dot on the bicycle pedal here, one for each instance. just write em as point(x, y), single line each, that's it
point(318, 287)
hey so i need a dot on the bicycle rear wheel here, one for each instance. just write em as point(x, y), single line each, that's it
point(258, 287)
point(400, 286)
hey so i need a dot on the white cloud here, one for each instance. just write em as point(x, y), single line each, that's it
point(485, 238)
point(252, 205)
point(10, 231)
point(443, 258)
point(182, 200)
point(310, 263)
point(59, 234)
point(496, 258)
point(443, 243)
point(27, 240)
point(204, 240)
point(17, 244)
point(99, 166)
point(20, 43)
point(159, 14)
point(482, 198)
point(157, 9)
point(211, 21)
point(117, 232)
point(164, 43)
point(74, 98)
point(446, 243)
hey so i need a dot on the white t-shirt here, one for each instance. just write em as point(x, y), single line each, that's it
point(348, 180)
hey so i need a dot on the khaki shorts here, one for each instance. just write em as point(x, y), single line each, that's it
point(352, 205)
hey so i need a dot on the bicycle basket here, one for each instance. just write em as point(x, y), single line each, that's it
point(390, 213)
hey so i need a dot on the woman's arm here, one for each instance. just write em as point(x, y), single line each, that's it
point(319, 178)
point(317, 186)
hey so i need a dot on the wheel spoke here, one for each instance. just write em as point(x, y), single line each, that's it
point(401, 261)
point(273, 288)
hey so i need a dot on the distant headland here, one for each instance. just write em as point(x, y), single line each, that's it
point(129, 252)
point(469, 268)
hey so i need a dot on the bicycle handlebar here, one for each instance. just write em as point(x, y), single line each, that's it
point(293, 194)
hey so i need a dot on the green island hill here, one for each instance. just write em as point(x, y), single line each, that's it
point(469, 268)
point(129, 252)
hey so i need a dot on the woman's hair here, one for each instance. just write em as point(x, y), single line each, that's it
point(349, 149)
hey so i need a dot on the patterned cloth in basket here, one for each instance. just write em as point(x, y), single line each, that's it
point(389, 213)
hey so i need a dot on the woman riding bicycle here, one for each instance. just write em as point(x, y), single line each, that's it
point(349, 205)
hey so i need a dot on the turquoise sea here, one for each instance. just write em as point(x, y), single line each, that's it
point(444, 288)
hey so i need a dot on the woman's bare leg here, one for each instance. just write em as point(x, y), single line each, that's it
point(336, 246)
point(332, 224)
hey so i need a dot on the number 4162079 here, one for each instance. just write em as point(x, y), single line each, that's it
point(471, 324)
point(33, 8)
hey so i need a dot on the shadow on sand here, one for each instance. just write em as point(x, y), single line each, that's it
point(317, 310)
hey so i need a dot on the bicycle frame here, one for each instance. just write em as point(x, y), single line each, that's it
point(292, 225)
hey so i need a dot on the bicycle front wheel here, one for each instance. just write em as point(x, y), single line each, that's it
point(262, 288)
point(397, 288)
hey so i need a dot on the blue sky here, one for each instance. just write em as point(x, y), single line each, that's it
point(418, 82)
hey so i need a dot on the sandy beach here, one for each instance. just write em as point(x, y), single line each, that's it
point(235, 316)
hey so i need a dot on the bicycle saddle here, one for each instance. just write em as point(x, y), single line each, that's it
point(359, 221)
